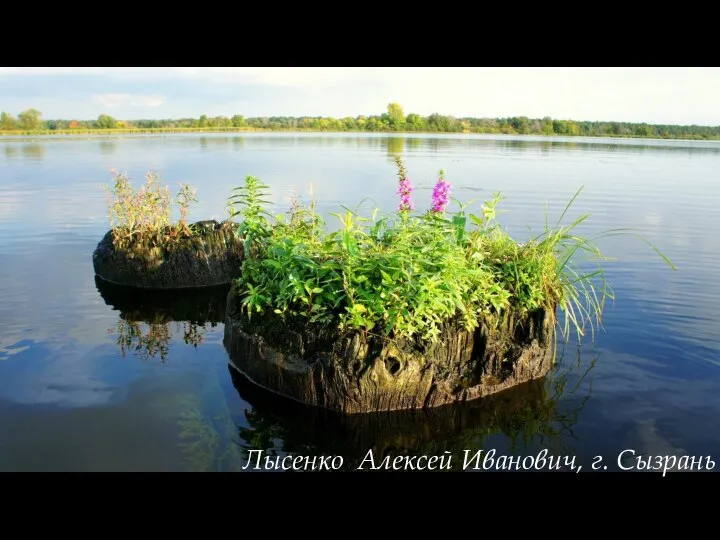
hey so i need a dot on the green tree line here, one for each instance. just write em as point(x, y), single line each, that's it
point(393, 120)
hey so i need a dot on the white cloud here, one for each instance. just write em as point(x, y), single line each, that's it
point(113, 101)
point(629, 94)
point(293, 77)
point(656, 95)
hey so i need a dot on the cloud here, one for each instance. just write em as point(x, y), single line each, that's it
point(286, 77)
point(625, 94)
point(114, 101)
point(657, 95)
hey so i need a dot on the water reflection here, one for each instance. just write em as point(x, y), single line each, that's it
point(206, 142)
point(435, 143)
point(150, 319)
point(33, 152)
point(108, 148)
point(395, 146)
point(11, 151)
point(414, 143)
point(530, 415)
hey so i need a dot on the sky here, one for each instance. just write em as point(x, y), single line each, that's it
point(654, 95)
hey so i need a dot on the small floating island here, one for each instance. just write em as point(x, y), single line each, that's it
point(411, 310)
point(407, 311)
point(145, 249)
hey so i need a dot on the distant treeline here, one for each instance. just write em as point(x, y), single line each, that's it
point(30, 122)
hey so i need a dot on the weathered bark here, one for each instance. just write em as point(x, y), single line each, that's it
point(212, 256)
point(354, 373)
point(519, 413)
point(201, 305)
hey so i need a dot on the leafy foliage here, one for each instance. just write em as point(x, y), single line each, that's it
point(145, 215)
point(250, 198)
point(405, 275)
point(394, 120)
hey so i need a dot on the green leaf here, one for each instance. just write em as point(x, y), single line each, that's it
point(478, 221)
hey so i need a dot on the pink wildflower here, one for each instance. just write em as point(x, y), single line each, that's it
point(405, 190)
point(441, 194)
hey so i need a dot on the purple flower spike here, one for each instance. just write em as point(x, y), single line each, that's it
point(441, 194)
point(405, 190)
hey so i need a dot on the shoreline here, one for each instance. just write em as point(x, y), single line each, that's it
point(57, 134)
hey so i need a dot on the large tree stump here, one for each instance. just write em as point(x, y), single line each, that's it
point(351, 372)
point(211, 256)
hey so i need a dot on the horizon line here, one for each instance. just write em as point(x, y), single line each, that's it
point(366, 116)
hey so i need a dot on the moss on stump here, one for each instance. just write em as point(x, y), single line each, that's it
point(350, 372)
point(212, 255)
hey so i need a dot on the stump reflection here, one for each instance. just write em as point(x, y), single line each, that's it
point(526, 414)
point(148, 320)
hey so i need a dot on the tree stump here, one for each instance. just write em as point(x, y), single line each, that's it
point(212, 256)
point(351, 372)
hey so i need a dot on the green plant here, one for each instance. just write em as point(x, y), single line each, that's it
point(406, 275)
point(250, 198)
point(144, 216)
point(185, 197)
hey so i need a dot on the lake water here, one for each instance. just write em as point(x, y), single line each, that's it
point(93, 378)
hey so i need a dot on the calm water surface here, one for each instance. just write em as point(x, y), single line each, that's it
point(95, 378)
